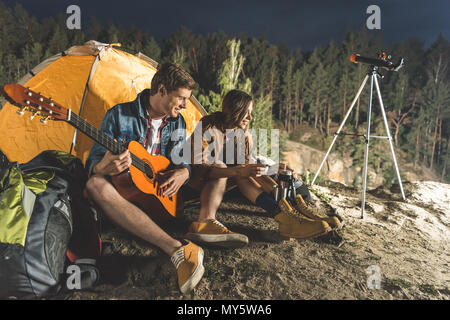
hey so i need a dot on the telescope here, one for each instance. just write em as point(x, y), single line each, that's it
point(383, 61)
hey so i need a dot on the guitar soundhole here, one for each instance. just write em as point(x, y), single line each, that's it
point(148, 170)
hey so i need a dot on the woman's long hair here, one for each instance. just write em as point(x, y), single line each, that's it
point(234, 108)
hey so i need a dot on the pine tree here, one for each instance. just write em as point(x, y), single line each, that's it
point(437, 93)
point(399, 98)
point(178, 48)
point(331, 66)
point(228, 78)
point(36, 53)
point(287, 91)
point(112, 34)
point(302, 78)
point(317, 87)
point(94, 29)
point(58, 42)
point(28, 26)
point(152, 49)
point(436, 99)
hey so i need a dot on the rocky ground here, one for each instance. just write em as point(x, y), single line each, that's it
point(400, 250)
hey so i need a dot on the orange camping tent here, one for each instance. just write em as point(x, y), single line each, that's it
point(89, 80)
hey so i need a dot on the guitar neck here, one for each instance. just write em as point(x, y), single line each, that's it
point(104, 140)
point(95, 134)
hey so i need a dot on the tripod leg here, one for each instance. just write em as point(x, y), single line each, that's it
point(340, 127)
point(366, 155)
point(389, 138)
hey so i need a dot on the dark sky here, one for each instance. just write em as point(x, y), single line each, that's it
point(300, 24)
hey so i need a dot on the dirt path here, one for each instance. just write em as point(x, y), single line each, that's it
point(405, 243)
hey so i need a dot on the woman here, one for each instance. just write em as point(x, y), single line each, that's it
point(229, 128)
point(224, 153)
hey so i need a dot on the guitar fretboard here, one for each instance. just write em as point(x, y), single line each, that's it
point(107, 142)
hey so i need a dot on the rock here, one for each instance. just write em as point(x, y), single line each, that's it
point(304, 159)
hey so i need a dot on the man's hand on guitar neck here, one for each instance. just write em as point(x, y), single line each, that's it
point(173, 180)
point(112, 164)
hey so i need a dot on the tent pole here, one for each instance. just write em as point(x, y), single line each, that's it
point(86, 89)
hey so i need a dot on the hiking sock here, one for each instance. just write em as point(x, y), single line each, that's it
point(268, 203)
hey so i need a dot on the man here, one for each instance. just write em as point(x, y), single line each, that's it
point(150, 119)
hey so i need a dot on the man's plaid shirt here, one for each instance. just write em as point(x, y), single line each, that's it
point(155, 145)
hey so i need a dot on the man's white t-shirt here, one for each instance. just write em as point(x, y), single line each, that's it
point(154, 141)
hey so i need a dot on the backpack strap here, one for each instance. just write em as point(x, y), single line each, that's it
point(63, 163)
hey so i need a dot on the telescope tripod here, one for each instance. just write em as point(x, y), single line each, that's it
point(372, 74)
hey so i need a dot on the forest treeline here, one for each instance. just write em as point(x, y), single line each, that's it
point(292, 89)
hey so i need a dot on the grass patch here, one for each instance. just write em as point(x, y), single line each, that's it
point(389, 244)
point(343, 233)
point(252, 268)
point(231, 253)
point(396, 284)
point(322, 196)
point(217, 272)
point(348, 229)
point(412, 260)
point(371, 258)
point(213, 275)
point(428, 289)
point(191, 214)
point(309, 176)
point(341, 251)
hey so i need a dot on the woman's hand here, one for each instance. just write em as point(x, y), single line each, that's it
point(251, 170)
point(284, 166)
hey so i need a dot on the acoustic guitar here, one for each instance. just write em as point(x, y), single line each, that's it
point(138, 184)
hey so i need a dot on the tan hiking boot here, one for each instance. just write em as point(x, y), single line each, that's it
point(188, 261)
point(303, 208)
point(292, 224)
point(213, 232)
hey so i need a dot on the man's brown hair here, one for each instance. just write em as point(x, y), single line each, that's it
point(173, 77)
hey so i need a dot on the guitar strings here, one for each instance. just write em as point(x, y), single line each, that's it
point(109, 143)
